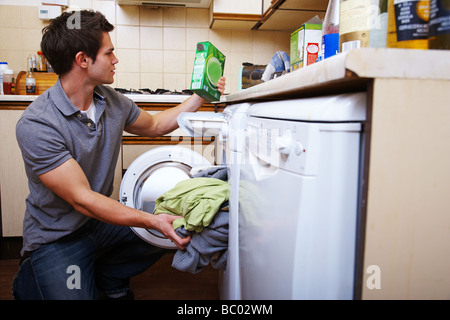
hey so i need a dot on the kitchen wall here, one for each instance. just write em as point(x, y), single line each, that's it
point(155, 47)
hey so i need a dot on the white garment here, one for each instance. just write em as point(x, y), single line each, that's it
point(90, 112)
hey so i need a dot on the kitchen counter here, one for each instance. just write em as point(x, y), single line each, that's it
point(350, 70)
point(143, 98)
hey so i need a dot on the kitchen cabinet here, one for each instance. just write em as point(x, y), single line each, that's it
point(13, 180)
point(403, 237)
point(235, 14)
point(288, 15)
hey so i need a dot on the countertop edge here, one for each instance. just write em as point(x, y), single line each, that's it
point(137, 98)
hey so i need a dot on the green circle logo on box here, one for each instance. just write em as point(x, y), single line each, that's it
point(213, 70)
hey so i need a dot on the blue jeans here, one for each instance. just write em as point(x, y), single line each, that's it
point(96, 258)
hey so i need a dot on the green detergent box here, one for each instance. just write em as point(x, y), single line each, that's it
point(209, 64)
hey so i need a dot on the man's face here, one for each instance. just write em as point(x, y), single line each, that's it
point(102, 70)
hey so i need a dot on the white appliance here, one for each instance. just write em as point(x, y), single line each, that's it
point(298, 198)
point(230, 127)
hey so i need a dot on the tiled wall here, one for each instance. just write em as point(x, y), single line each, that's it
point(155, 47)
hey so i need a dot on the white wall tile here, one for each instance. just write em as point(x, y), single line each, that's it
point(221, 39)
point(174, 61)
point(151, 38)
point(152, 17)
point(174, 17)
point(11, 39)
point(242, 41)
point(128, 80)
point(175, 81)
point(127, 37)
point(151, 61)
point(9, 16)
point(152, 81)
point(127, 15)
point(108, 8)
point(31, 40)
point(195, 35)
point(197, 18)
point(128, 60)
point(174, 38)
point(80, 4)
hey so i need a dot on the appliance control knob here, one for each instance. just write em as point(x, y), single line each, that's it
point(286, 142)
point(298, 148)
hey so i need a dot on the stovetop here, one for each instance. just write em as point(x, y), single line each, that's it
point(157, 91)
point(158, 95)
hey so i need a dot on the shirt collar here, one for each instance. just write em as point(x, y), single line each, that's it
point(62, 101)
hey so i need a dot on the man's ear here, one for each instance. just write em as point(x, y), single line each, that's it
point(81, 59)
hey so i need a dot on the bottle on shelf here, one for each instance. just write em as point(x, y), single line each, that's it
point(30, 80)
point(3, 68)
point(41, 63)
point(408, 24)
point(330, 30)
point(362, 23)
point(378, 29)
point(439, 25)
point(8, 81)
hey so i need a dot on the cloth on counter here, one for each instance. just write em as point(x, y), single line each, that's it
point(280, 62)
point(208, 246)
point(197, 200)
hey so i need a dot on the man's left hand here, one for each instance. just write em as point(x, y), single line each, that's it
point(221, 85)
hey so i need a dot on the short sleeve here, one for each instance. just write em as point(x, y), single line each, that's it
point(43, 147)
point(133, 115)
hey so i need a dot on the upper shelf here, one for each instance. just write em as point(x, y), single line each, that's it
point(352, 69)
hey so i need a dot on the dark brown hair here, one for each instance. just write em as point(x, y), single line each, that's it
point(71, 33)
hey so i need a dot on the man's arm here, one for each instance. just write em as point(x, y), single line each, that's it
point(166, 121)
point(70, 183)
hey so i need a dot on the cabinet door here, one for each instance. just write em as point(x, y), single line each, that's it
point(13, 180)
point(236, 14)
point(237, 6)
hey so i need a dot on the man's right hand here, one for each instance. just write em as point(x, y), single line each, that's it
point(165, 226)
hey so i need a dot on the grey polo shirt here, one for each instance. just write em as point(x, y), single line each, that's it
point(50, 132)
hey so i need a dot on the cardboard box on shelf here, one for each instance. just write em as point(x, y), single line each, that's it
point(305, 44)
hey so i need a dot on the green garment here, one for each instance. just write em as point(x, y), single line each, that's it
point(196, 199)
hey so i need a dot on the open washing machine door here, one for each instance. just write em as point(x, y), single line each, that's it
point(150, 175)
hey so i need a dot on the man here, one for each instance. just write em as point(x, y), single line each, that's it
point(77, 240)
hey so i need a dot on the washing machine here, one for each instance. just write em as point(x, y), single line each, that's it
point(160, 169)
point(299, 196)
point(150, 175)
point(230, 127)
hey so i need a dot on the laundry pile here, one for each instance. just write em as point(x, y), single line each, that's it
point(202, 202)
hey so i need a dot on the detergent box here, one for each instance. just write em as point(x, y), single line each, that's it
point(305, 45)
point(209, 64)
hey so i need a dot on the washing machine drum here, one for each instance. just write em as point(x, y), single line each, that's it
point(152, 174)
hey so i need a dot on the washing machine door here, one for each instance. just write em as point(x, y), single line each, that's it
point(150, 175)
